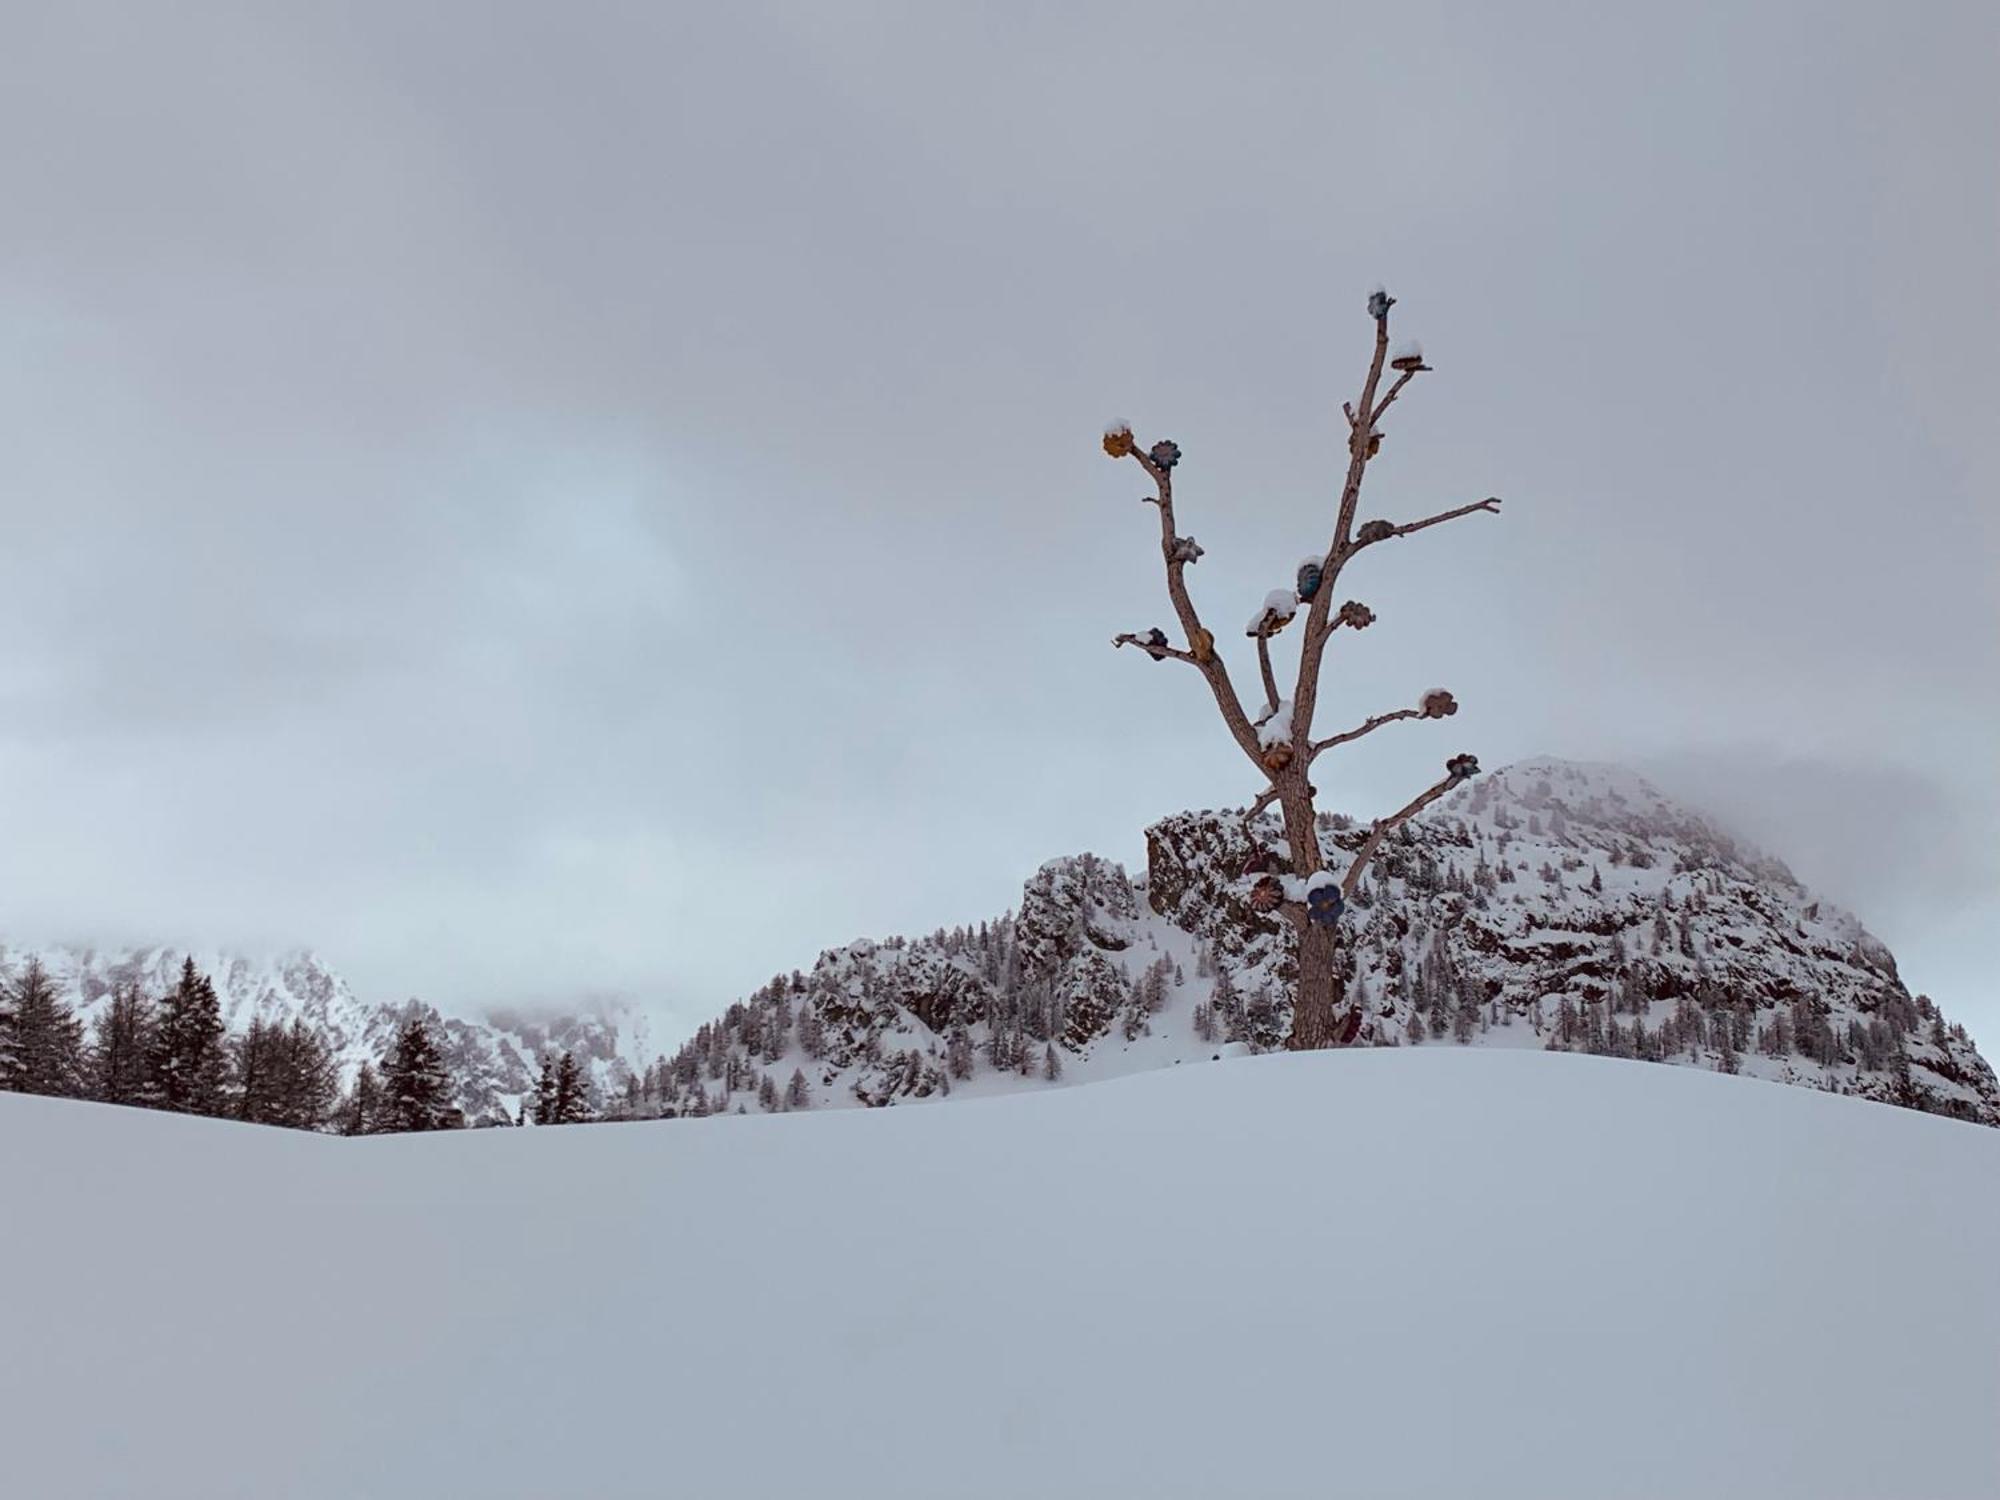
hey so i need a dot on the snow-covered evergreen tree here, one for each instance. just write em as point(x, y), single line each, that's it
point(190, 1059)
point(417, 1090)
point(41, 1040)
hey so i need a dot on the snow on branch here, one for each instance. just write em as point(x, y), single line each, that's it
point(1274, 614)
point(1154, 644)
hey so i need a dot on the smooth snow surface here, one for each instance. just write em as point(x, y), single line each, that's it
point(1421, 1271)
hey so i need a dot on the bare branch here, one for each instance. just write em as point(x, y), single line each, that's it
point(1394, 391)
point(1264, 799)
point(1367, 539)
point(1211, 665)
point(1361, 444)
point(1395, 820)
point(1368, 728)
point(1271, 698)
point(1157, 652)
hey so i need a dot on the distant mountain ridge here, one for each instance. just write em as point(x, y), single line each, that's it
point(494, 1058)
point(1550, 904)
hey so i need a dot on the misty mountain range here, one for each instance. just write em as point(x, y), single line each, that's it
point(1548, 905)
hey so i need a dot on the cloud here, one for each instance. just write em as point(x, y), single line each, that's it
point(538, 502)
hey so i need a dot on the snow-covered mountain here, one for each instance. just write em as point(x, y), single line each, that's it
point(495, 1057)
point(1548, 905)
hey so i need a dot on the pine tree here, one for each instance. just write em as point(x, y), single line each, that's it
point(308, 1078)
point(417, 1088)
point(121, 1053)
point(958, 1051)
point(361, 1113)
point(41, 1040)
point(1226, 1005)
point(1465, 1018)
point(254, 1072)
point(1051, 1063)
point(767, 1094)
point(544, 1110)
point(190, 1061)
point(572, 1096)
point(797, 1095)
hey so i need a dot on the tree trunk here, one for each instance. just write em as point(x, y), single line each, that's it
point(1317, 1018)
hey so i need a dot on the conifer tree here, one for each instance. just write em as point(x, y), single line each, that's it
point(121, 1052)
point(545, 1094)
point(283, 1075)
point(361, 1113)
point(41, 1040)
point(416, 1087)
point(311, 1078)
point(571, 1105)
point(190, 1062)
point(797, 1095)
point(1279, 740)
point(254, 1071)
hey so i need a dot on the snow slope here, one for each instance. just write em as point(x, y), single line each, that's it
point(1395, 1272)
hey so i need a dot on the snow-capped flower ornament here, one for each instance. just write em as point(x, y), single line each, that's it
point(1276, 612)
point(1310, 572)
point(1409, 360)
point(1165, 453)
point(1462, 767)
point(1438, 703)
point(1379, 303)
point(1267, 894)
point(1186, 550)
point(1355, 615)
point(1324, 902)
point(1374, 531)
point(1154, 644)
point(1118, 440)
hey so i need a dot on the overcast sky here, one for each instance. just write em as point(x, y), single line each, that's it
point(536, 500)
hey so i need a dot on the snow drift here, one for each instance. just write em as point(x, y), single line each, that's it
point(1401, 1272)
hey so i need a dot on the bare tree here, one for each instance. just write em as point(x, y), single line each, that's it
point(1279, 739)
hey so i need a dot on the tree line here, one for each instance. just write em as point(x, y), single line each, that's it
point(173, 1053)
